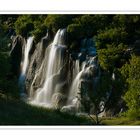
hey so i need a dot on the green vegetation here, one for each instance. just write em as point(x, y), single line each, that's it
point(24, 25)
point(55, 22)
point(111, 58)
point(120, 121)
point(117, 42)
point(8, 86)
point(15, 112)
point(132, 96)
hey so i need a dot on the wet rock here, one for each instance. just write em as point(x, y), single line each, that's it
point(69, 109)
point(82, 56)
point(58, 100)
point(36, 61)
point(16, 54)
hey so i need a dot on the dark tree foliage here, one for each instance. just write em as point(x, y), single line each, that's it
point(132, 96)
point(116, 38)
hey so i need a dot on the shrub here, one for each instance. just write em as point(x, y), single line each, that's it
point(111, 57)
point(132, 96)
point(108, 36)
point(24, 25)
point(56, 22)
point(75, 32)
point(39, 32)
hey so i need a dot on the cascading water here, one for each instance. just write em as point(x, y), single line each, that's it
point(76, 68)
point(57, 80)
point(88, 65)
point(87, 75)
point(58, 76)
point(54, 65)
point(24, 65)
point(74, 89)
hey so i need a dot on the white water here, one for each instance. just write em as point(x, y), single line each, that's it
point(75, 85)
point(76, 68)
point(24, 65)
point(53, 77)
point(87, 67)
point(26, 54)
point(54, 64)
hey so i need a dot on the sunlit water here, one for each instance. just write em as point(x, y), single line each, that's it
point(24, 65)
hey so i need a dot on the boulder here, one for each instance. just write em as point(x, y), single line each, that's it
point(69, 109)
point(58, 100)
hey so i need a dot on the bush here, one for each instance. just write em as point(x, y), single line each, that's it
point(39, 32)
point(92, 23)
point(75, 32)
point(56, 22)
point(111, 57)
point(24, 25)
point(108, 36)
point(87, 24)
point(8, 85)
point(133, 114)
point(132, 96)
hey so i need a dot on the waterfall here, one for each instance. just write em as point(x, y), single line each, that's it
point(76, 68)
point(87, 73)
point(74, 89)
point(51, 83)
point(54, 65)
point(24, 65)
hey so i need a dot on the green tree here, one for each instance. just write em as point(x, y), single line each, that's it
point(55, 22)
point(131, 24)
point(96, 97)
point(132, 96)
point(24, 25)
point(111, 57)
point(75, 32)
point(111, 36)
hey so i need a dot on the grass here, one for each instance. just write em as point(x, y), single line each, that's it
point(15, 112)
point(120, 121)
